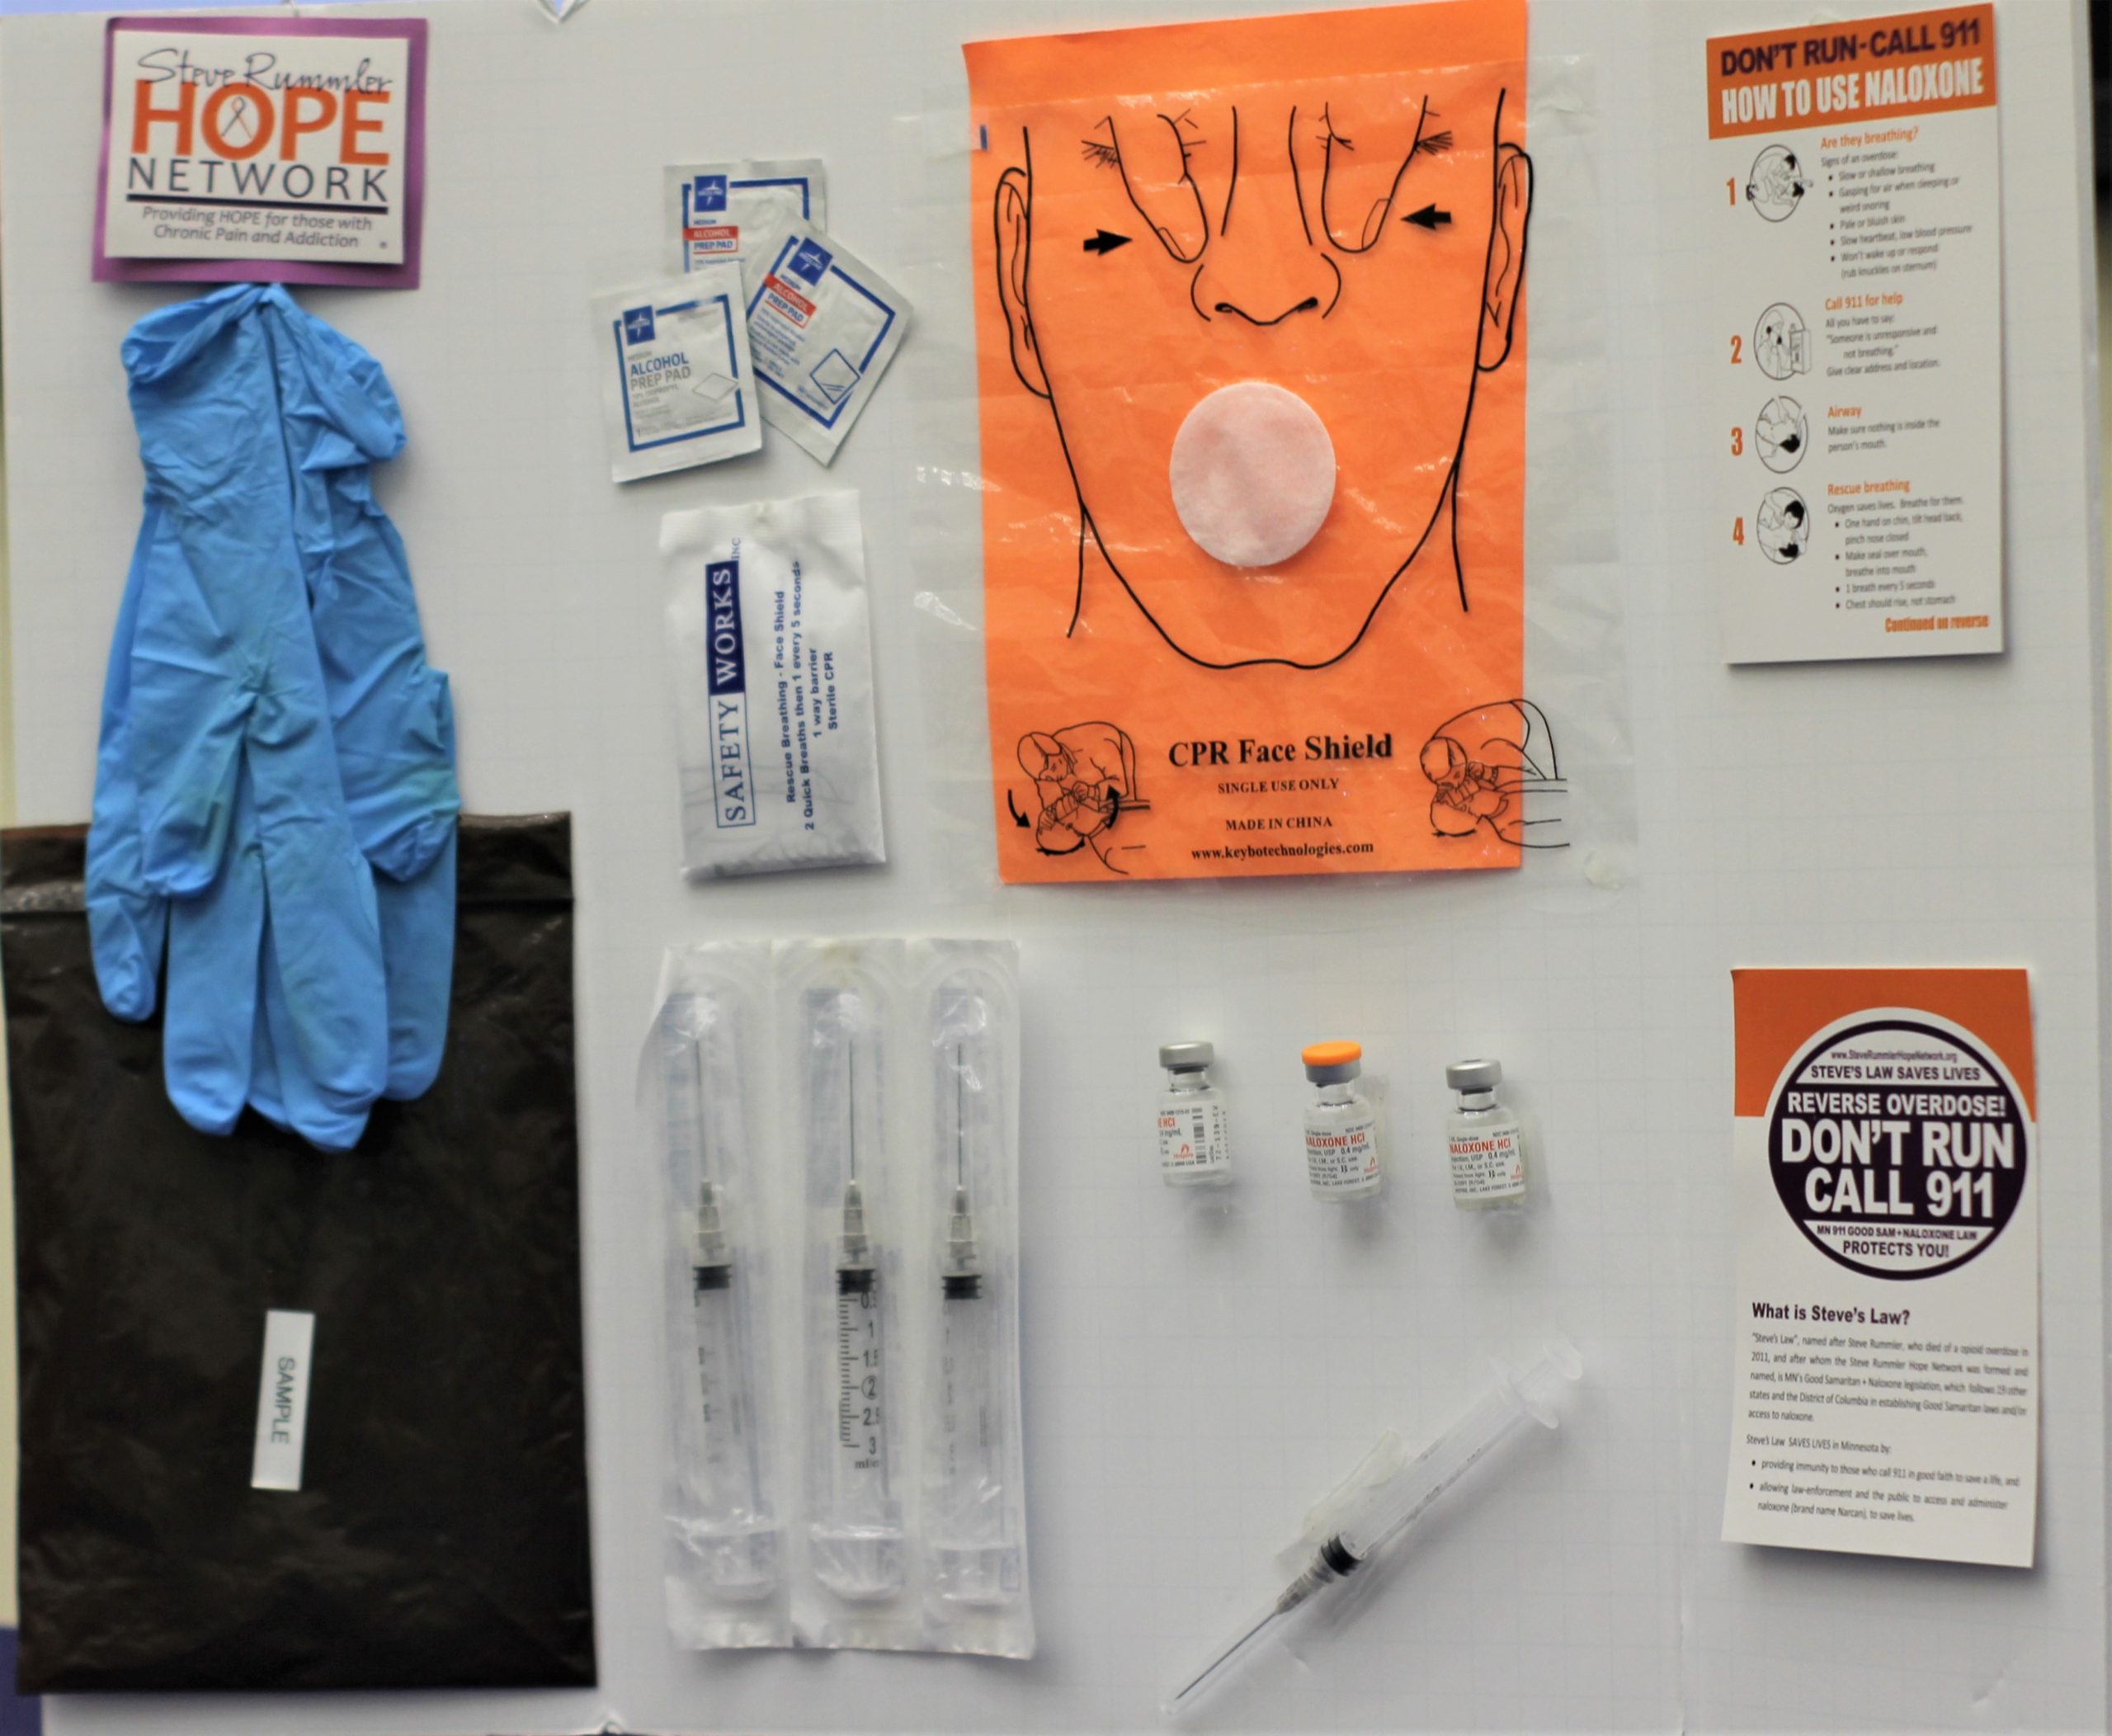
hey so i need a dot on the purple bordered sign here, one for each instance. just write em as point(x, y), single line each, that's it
point(281, 150)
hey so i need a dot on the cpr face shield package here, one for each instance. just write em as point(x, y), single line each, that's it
point(772, 663)
point(1277, 513)
point(673, 357)
point(740, 210)
point(824, 326)
point(838, 1126)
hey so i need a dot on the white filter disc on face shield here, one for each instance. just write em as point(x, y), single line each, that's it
point(1253, 473)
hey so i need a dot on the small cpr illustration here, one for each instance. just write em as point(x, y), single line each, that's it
point(1781, 345)
point(1085, 778)
point(1777, 184)
point(1483, 762)
point(1779, 434)
point(1784, 525)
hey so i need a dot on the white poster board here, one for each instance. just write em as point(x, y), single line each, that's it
point(1192, 1384)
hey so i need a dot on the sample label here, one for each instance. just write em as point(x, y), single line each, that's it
point(1343, 1153)
point(252, 139)
point(1194, 1137)
point(282, 1400)
point(1886, 1391)
point(1487, 1165)
point(1853, 185)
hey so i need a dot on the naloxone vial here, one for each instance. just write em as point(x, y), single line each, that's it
point(1486, 1153)
point(1194, 1143)
point(1341, 1129)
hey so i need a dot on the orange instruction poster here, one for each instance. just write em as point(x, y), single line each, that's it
point(1885, 1382)
point(1849, 200)
point(1250, 341)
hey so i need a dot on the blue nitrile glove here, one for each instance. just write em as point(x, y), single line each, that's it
point(391, 714)
point(225, 684)
point(393, 732)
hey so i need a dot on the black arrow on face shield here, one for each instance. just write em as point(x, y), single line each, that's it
point(1105, 242)
point(1428, 218)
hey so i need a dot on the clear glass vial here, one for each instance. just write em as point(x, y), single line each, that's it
point(1485, 1149)
point(1341, 1128)
point(1195, 1142)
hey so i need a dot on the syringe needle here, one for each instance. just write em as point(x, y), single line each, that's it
point(1194, 1683)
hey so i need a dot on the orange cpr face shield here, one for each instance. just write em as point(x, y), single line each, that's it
point(1252, 350)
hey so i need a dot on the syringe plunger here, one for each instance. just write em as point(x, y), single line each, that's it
point(853, 1247)
point(1531, 1393)
point(960, 1269)
point(714, 1261)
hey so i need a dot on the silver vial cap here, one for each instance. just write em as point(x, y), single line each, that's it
point(1340, 1074)
point(1185, 1057)
point(1474, 1075)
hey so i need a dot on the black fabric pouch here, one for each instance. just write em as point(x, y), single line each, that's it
point(440, 1535)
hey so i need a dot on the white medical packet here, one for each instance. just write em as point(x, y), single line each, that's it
point(824, 326)
point(676, 385)
point(740, 210)
point(773, 669)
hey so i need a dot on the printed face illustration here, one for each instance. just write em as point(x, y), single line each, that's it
point(1360, 243)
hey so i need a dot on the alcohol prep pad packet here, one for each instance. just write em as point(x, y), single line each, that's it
point(824, 326)
point(740, 210)
point(676, 385)
point(773, 671)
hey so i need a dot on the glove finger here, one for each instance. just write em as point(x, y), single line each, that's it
point(417, 946)
point(128, 933)
point(283, 1091)
point(128, 925)
point(207, 1034)
point(326, 937)
point(396, 755)
point(188, 706)
point(268, 1095)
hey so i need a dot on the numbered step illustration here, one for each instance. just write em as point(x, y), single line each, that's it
point(1781, 343)
point(1783, 525)
point(1777, 184)
point(1779, 434)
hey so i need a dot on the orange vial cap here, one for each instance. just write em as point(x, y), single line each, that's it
point(1336, 1053)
